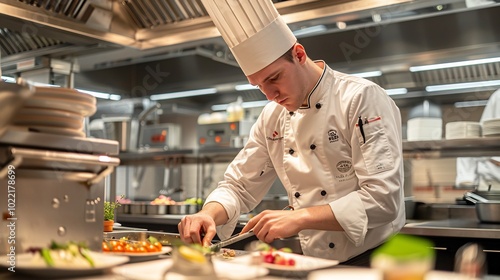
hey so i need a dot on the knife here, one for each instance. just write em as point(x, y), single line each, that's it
point(233, 239)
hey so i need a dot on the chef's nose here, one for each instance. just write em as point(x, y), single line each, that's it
point(270, 92)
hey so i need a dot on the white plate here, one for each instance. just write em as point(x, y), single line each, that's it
point(25, 264)
point(50, 130)
point(68, 93)
point(42, 120)
point(153, 270)
point(76, 106)
point(164, 250)
point(302, 263)
point(48, 112)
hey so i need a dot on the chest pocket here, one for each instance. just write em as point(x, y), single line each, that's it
point(374, 146)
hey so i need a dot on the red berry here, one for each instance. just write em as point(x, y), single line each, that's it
point(268, 258)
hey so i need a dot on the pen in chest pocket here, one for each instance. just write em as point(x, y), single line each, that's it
point(360, 124)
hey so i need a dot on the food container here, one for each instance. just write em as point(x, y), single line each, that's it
point(155, 209)
point(123, 209)
point(182, 209)
point(138, 208)
point(404, 257)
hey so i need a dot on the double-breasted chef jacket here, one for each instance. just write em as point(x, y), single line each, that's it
point(322, 156)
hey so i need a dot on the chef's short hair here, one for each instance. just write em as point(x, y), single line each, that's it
point(288, 55)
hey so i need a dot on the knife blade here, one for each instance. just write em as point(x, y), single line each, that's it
point(233, 239)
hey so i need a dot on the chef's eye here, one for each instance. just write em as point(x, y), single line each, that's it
point(274, 78)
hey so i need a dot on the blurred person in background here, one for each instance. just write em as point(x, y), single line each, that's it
point(482, 173)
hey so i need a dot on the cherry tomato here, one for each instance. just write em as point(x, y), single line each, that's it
point(118, 248)
point(141, 250)
point(113, 244)
point(130, 249)
point(105, 246)
point(151, 248)
point(158, 245)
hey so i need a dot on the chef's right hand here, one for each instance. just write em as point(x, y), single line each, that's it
point(193, 226)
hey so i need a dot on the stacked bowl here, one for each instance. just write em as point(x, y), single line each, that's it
point(491, 128)
point(55, 110)
point(461, 130)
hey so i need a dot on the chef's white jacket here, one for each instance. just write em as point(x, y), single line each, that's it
point(320, 156)
point(480, 171)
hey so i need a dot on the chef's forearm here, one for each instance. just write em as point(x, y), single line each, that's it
point(319, 218)
point(216, 211)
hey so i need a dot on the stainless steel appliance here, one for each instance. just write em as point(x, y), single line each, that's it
point(162, 136)
point(52, 189)
point(225, 134)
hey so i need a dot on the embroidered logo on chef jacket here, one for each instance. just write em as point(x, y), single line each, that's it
point(333, 136)
point(345, 167)
point(275, 136)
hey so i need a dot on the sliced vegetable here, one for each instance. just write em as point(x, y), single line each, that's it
point(47, 257)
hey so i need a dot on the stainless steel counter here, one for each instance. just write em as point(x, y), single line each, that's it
point(467, 228)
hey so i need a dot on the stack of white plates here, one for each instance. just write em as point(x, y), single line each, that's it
point(55, 110)
point(424, 129)
point(491, 128)
point(460, 130)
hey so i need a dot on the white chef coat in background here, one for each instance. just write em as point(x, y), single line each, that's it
point(321, 158)
point(481, 171)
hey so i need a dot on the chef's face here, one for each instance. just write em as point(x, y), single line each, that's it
point(283, 81)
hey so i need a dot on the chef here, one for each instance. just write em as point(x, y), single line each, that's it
point(332, 139)
point(483, 173)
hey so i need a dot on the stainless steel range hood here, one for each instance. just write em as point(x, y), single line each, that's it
point(178, 40)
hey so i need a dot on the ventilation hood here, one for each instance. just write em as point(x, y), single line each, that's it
point(174, 42)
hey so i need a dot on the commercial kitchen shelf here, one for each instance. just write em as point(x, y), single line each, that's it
point(143, 156)
point(472, 147)
point(59, 142)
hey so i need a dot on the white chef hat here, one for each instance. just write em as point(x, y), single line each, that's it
point(254, 31)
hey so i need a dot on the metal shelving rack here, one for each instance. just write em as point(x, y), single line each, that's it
point(472, 147)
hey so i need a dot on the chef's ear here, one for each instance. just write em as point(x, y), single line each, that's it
point(299, 53)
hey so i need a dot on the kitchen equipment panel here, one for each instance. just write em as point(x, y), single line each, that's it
point(225, 134)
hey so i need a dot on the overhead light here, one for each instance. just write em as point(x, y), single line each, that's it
point(44, 85)
point(8, 79)
point(368, 74)
point(180, 94)
point(245, 105)
point(341, 25)
point(101, 95)
point(309, 30)
point(376, 18)
point(396, 91)
point(462, 85)
point(453, 64)
point(475, 103)
point(245, 87)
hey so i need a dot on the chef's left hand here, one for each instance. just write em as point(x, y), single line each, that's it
point(273, 224)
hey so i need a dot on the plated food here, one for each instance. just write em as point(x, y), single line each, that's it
point(63, 260)
point(124, 245)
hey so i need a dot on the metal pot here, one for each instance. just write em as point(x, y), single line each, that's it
point(125, 129)
point(120, 129)
point(487, 210)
